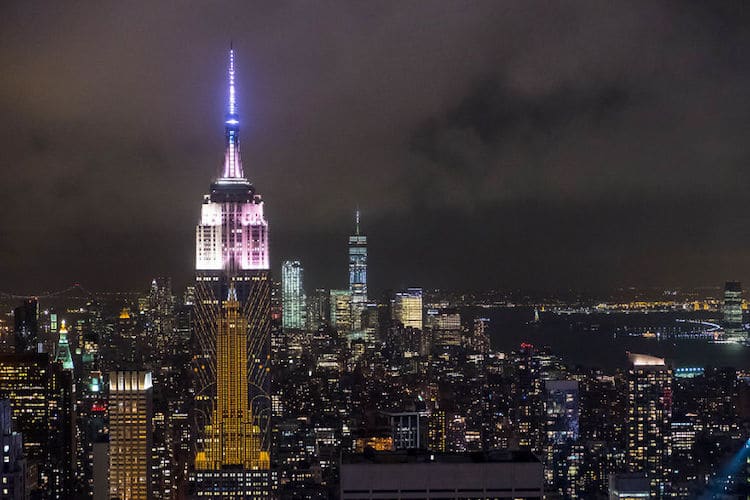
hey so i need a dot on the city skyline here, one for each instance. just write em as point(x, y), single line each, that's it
point(434, 121)
point(244, 383)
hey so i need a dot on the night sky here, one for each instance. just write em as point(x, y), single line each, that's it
point(543, 145)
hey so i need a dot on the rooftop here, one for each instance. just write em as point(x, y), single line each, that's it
point(423, 456)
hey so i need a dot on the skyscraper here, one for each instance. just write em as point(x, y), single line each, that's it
point(407, 308)
point(732, 311)
point(232, 438)
point(357, 275)
point(40, 394)
point(561, 408)
point(232, 326)
point(62, 354)
point(292, 296)
point(341, 311)
point(649, 419)
point(160, 315)
point(130, 413)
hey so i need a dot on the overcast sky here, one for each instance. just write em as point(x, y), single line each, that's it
point(536, 144)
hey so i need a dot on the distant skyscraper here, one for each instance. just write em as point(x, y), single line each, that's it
point(26, 322)
point(318, 309)
point(63, 355)
point(649, 444)
point(130, 413)
point(357, 274)
point(160, 315)
point(561, 408)
point(407, 308)
point(232, 325)
point(292, 296)
point(732, 311)
point(341, 311)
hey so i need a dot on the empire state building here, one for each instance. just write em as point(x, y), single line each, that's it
point(232, 326)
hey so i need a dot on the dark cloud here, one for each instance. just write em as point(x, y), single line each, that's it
point(588, 143)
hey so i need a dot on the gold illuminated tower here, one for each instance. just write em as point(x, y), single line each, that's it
point(232, 438)
point(130, 412)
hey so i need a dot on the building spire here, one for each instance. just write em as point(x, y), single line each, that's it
point(356, 218)
point(232, 162)
point(231, 97)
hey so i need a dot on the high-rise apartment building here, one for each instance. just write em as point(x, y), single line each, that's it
point(40, 395)
point(292, 296)
point(130, 432)
point(649, 414)
point(232, 325)
point(357, 275)
point(407, 308)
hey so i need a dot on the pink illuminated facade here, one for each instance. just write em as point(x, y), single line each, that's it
point(232, 234)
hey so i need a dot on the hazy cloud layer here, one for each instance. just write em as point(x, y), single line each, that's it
point(513, 144)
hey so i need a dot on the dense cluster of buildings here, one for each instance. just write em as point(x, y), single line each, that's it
point(246, 387)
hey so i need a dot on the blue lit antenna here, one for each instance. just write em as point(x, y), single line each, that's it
point(232, 117)
point(232, 171)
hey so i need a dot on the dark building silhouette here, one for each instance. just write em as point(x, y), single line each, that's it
point(26, 325)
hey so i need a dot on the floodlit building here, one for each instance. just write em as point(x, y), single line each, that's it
point(63, 355)
point(292, 296)
point(232, 324)
point(407, 308)
point(357, 275)
point(130, 414)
